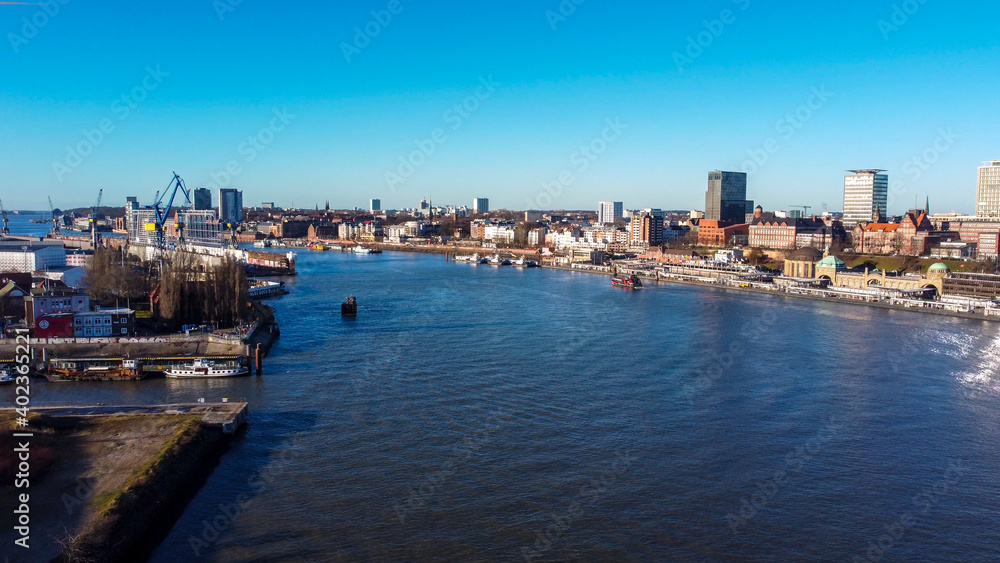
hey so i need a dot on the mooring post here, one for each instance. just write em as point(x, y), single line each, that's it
point(259, 360)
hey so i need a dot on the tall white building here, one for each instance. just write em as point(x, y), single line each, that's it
point(988, 190)
point(866, 196)
point(230, 206)
point(481, 205)
point(609, 212)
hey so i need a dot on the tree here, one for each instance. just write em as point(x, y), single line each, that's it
point(111, 277)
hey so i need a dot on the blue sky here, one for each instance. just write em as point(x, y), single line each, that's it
point(216, 75)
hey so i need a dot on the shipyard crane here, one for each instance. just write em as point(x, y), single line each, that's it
point(95, 237)
point(3, 213)
point(161, 211)
point(55, 220)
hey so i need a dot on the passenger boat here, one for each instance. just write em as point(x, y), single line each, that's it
point(6, 377)
point(202, 368)
point(630, 282)
point(362, 250)
point(349, 308)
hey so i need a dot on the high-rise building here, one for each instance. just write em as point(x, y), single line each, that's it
point(646, 228)
point(866, 196)
point(481, 205)
point(131, 204)
point(609, 212)
point(202, 199)
point(726, 198)
point(375, 205)
point(988, 190)
point(230, 206)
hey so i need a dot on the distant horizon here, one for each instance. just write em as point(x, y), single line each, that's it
point(542, 106)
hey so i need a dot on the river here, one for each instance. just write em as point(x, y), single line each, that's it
point(496, 414)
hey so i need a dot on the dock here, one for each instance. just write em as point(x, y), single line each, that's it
point(226, 416)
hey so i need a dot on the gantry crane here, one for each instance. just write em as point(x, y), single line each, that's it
point(95, 237)
point(161, 213)
point(55, 220)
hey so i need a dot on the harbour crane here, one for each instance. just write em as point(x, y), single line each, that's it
point(55, 220)
point(3, 213)
point(161, 211)
point(95, 237)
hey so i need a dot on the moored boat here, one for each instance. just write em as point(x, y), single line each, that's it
point(202, 368)
point(6, 377)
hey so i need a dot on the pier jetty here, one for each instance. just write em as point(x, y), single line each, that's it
point(109, 482)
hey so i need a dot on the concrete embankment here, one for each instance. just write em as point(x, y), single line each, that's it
point(108, 484)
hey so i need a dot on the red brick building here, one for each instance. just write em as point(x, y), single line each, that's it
point(720, 233)
point(912, 236)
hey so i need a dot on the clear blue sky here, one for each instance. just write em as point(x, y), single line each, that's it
point(892, 89)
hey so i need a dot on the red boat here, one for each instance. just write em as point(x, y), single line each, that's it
point(630, 282)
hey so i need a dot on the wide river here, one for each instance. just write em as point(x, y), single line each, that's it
point(497, 414)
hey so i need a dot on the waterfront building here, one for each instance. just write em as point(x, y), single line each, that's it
point(47, 300)
point(802, 263)
point(230, 206)
point(866, 195)
point(29, 256)
point(778, 231)
point(536, 237)
point(838, 274)
point(481, 205)
point(202, 199)
point(962, 284)
point(104, 323)
point(726, 198)
point(200, 227)
point(646, 229)
point(722, 233)
point(502, 233)
point(988, 245)
point(988, 190)
point(375, 205)
point(912, 236)
point(609, 212)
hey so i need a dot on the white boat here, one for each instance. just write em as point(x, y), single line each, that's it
point(362, 250)
point(204, 368)
point(6, 377)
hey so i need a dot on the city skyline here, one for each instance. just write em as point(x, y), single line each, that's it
point(508, 124)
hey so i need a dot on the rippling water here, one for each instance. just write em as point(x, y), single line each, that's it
point(494, 414)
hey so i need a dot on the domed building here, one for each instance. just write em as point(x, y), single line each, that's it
point(802, 263)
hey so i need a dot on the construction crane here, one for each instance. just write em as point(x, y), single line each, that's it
point(3, 213)
point(55, 220)
point(95, 237)
point(805, 209)
point(161, 211)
